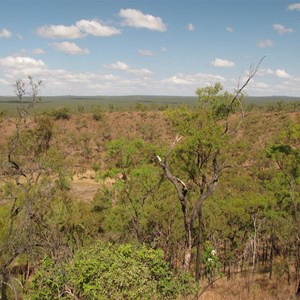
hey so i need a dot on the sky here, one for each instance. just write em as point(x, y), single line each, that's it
point(150, 47)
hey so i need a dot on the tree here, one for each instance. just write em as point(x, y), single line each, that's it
point(285, 154)
point(32, 183)
point(194, 166)
point(129, 163)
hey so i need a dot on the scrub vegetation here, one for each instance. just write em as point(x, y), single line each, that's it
point(184, 201)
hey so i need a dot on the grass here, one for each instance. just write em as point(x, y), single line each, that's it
point(251, 287)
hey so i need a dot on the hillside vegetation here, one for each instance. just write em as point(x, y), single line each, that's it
point(176, 203)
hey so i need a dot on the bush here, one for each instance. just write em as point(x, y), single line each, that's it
point(2, 113)
point(98, 114)
point(110, 272)
point(61, 113)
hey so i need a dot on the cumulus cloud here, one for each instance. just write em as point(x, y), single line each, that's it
point(60, 31)
point(137, 19)
point(145, 52)
point(223, 63)
point(121, 66)
point(70, 48)
point(280, 29)
point(18, 66)
point(5, 33)
point(295, 6)
point(81, 29)
point(264, 72)
point(21, 62)
point(265, 44)
point(190, 27)
point(96, 28)
point(193, 79)
point(282, 73)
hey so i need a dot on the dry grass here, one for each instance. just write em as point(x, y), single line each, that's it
point(248, 287)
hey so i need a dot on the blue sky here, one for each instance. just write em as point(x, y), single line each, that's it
point(150, 47)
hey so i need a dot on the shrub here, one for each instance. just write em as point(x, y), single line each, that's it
point(110, 271)
point(98, 114)
point(61, 113)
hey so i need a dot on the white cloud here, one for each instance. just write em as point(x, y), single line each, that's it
point(295, 6)
point(70, 48)
point(198, 79)
point(38, 51)
point(190, 27)
point(136, 18)
point(280, 29)
point(16, 66)
point(140, 72)
point(282, 73)
point(178, 79)
point(260, 85)
point(60, 31)
point(163, 49)
point(5, 33)
point(24, 52)
point(96, 28)
point(264, 72)
point(145, 52)
point(81, 29)
point(223, 63)
point(229, 29)
point(265, 44)
point(21, 62)
point(121, 66)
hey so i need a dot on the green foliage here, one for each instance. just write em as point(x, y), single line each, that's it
point(48, 282)
point(211, 262)
point(62, 113)
point(216, 100)
point(110, 271)
point(2, 114)
point(98, 114)
point(80, 108)
point(203, 134)
point(135, 186)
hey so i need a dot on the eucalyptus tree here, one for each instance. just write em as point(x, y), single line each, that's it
point(285, 183)
point(200, 153)
point(32, 176)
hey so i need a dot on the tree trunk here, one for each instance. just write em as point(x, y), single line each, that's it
point(4, 285)
point(298, 290)
point(198, 256)
point(271, 258)
point(187, 250)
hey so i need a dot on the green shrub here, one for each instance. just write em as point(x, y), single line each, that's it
point(110, 271)
point(98, 114)
point(62, 113)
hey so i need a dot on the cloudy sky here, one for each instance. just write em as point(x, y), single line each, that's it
point(150, 47)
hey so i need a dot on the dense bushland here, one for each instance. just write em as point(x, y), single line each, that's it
point(184, 193)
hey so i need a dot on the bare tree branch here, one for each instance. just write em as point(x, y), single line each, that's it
point(252, 73)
